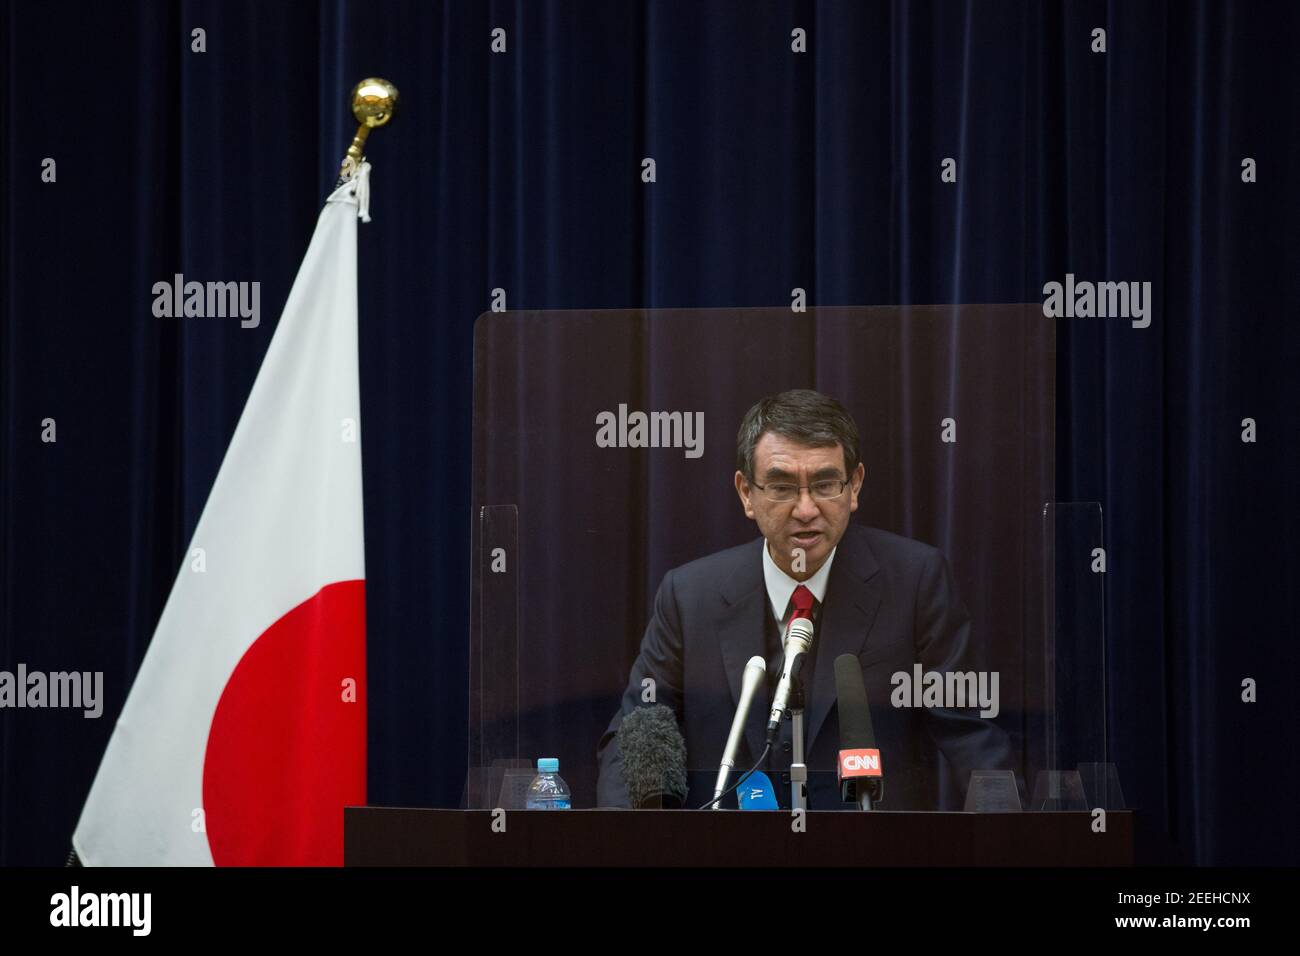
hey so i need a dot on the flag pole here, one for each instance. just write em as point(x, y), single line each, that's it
point(373, 103)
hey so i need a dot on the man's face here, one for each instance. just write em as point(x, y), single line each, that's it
point(808, 525)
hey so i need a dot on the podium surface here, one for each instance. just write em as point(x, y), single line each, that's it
point(401, 836)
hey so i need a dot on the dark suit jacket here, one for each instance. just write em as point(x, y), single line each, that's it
point(889, 600)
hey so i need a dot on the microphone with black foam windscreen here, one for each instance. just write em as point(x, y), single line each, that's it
point(654, 758)
point(798, 641)
point(750, 681)
point(858, 768)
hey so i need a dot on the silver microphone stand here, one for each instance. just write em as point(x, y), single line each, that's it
point(798, 769)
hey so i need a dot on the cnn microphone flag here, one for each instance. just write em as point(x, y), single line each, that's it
point(244, 733)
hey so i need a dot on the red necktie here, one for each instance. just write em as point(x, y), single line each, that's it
point(802, 599)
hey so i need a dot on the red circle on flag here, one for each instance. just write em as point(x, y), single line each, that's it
point(287, 747)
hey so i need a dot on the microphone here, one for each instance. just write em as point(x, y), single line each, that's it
point(755, 672)
point(858, 768)
point(654, 758)
point(757, 793)
point(798, 641)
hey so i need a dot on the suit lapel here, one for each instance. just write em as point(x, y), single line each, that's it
point(852, 599)
point(741, 636)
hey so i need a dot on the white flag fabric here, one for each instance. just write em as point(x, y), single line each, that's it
point(244, 734)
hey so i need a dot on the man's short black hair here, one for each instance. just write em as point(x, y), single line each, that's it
point(802, 415)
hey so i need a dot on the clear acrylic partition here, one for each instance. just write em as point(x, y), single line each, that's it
point(575, 524)
point(1068, 761)
point(494, 770)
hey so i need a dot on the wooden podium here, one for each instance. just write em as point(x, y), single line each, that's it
point(399, 836)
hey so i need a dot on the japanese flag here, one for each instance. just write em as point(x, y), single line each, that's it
point(244, 734)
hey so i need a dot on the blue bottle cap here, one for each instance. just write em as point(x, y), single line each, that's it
point(548, 764)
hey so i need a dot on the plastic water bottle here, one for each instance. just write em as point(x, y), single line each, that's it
point(548, 791)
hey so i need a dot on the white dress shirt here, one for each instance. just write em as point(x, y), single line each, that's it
point(780, 586)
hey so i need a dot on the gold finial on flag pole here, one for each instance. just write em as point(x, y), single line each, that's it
point(373, 102)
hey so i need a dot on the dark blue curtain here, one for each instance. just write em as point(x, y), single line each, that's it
point(520, 171)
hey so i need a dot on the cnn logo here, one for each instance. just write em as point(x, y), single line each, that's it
point(860, 763)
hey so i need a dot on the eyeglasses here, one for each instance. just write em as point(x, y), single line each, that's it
point(827, 490)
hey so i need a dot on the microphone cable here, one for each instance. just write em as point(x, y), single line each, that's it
point(743, 778)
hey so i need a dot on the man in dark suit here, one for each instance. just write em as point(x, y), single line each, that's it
point(888, 600)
